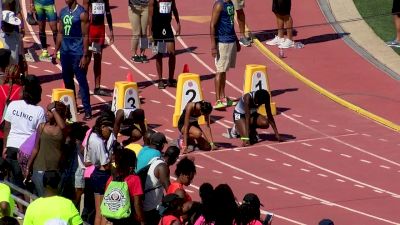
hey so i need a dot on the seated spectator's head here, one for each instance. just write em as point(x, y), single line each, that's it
point(8, 220)
point(125, 161)
point(51, 181)
point(4, 58)
point(147, 137)
point(32, 93)
point(206, 192)
point(249, 210)
point(78, 131)
point(13, 75)
point(185, 171)
point(191, 211)
point(104, 124)
point(9, 21)
point(225, 206)
point(171, 155)
point(158, 140)
point(172, 205)
point(326, 222)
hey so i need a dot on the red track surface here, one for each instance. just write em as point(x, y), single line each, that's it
point(335, 164)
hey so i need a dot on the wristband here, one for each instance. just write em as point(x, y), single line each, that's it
point(244, 138)
point(212, 144)
point(53, 109)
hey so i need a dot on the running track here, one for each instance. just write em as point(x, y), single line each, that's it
point(334, 164)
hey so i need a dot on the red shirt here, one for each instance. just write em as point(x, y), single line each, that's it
point(168, 220)
point(134, 185)
point(175, 186)
point(4, 89)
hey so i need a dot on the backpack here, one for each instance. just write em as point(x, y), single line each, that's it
point(116, 203)
point(143, 173)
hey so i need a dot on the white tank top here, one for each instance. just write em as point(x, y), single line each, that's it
point(239, 108)
point(153, 198)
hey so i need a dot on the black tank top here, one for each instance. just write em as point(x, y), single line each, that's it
point(162, 14)
point(98, 10)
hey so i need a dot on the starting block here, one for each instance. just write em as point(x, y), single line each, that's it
point(188, 90)
point(256, 78)
point(67, 97)
point(125, 96)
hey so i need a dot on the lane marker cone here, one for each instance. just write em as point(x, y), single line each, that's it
point(129, 77)
point(186, 68)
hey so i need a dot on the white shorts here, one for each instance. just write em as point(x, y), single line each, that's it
point(226, 57)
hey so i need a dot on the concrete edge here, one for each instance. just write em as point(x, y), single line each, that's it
point(330, 17)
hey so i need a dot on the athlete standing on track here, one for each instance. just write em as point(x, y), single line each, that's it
point(160, 30)
point(74, 42)
point(282, 8)
point(241, 18)
point(97, 33)
point(224, 47)
point(45, 10)
point(138, 13)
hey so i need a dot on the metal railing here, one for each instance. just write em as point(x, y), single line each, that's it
point(18, 199)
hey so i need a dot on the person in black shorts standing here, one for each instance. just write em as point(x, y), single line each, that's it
point(160, 30)
point(282, 8)
point(396, 20)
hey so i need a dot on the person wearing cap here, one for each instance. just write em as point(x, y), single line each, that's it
point(171, 210)
point(10, 38)
point(153, 150)
point(326, 222)
point(52, 209)
point(249, 210)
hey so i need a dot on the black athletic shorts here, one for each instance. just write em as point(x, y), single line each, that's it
point(163, 33)
point(396, 8)
point(282, 7)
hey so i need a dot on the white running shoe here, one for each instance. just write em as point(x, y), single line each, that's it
point(287, 43)
point(276, 41)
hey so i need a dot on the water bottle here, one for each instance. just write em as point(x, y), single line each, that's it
point(154, 48)
point(298, 45)
point(281, 53)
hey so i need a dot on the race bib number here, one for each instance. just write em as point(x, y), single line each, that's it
point(98, 8)
point(165, 7)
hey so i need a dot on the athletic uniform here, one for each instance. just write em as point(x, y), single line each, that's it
point(281, 7)
point(162, 17)
point(193, 119)
point(45, 9)
point(239, 111)
point(97, 29)
point(72, 52)
point(128, 125)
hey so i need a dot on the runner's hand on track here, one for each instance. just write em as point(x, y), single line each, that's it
point(246, 143)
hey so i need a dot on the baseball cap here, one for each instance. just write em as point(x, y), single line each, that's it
point(326, 222)
point(158, 138)
point(169, 199)
point(252, 199)
point(9, 17)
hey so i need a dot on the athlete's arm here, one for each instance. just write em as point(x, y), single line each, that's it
point(85, 34)
point(271, 120)
point(138, 204)
point(246, 100)
point(162, 173)
point(207, 132)
point(109, 20)
point(35, 150)
point(214, 20)
point(188, 110)
point(176, 15)
point(119, 118)
point(59, 36)
point(150, 19)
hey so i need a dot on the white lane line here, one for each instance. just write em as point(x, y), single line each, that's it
point(365, 161)
point(107, 63)
point(306, 144)
point(327, 203)
point(322, 175)
point(228, 121)
point(378, 191)
point(252, 154)
point(289, 193)
point(171, 106)
point(326, 150)
point(306, 197)
point(396, 196)
point(154, 101)
point(273, 160)
point(287, 164)
point(49, 96)
point(295, 115)
point(331, 125)
point(170, 131)
point(237, 178)
point(49, 71)
point(198, 166)
point(212, 92)
point(272, 188)
point(236, 150)
point(315, 121)
point(352, 131)
point(305, 170)
point(190, 191)
point(360, 186)
point(383, 140)
point(344, 155)
point(152, 75)
point(340, 180)
point(384, 167)
point(216, 171)
point(255, 183)
point(32, 66)
point(124, 68)
point(366, 135)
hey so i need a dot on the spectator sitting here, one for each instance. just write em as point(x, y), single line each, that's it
point(6, 201)
point(62, 210)
point(172, 210)
point(153, 150)
point(249, 211)
point(326, 222)
point(8, 220)
point(185, 171)
point(225, 206)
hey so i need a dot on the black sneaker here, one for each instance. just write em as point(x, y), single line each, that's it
point(171, 83)
point(101, 92)
point(161, 84)
point(136, 59)
point(144, 59)
point(88, 116)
